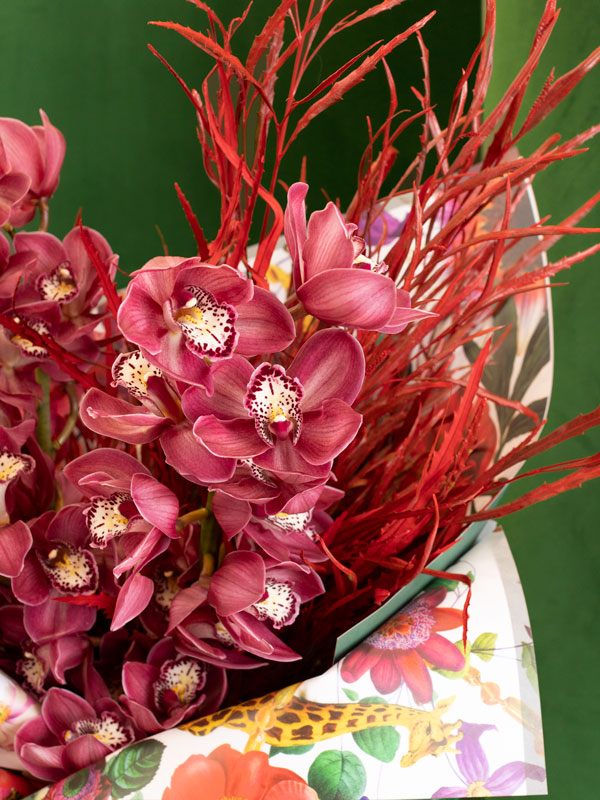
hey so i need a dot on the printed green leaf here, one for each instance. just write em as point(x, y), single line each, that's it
point(374, 698)
point(523, 424)
point(484, 646)
point(134, 767)
point(537, 355)
point(449, 584)
point(529, 665)
point(382, 742)
point(446, 673)
point(292, 750)
point(336, 775)
point(351, 694)
point(73, 785)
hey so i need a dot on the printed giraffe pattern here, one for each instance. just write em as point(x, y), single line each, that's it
point(284, 720)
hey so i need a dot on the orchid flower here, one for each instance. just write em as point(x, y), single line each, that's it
point(186, 315)
point(287, 421)
point(334, 281)
point(71, 734)
point(34, 156)
point(170, 688)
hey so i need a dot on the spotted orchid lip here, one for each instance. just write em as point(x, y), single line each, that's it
point(291, 522)
point(108, 729)
point(207, 324)
point(69, 569)
point(273, 400)
point(14, 464)
point(280, 605)
point(25, 345)
point(132, 371)
point(105, 518)
point(182, 678)
point(58, 285)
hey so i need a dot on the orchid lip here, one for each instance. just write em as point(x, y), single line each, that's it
point(273, 400)
point(207, 325)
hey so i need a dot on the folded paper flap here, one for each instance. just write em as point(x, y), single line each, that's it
point(375, 720)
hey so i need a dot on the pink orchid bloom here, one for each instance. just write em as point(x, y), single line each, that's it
point(70, 734)
point(252, 584)
point(185, 315)
point(62, 273)
point(53, 659)
point(170, 688)
point(13, 466)
point(333, 280)
point(286, 421)
point(156, 404)
point(283, 536)
point(126, 499)
point(35, 156)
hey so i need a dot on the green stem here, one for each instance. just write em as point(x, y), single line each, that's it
point(44, 436)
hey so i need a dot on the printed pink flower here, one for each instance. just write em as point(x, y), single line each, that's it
point(404, 647)
point(287, 421)
point(35, 156)
point(170, 688)
point(186, 315)
point(333, 280)
point(70, 734)
point(227, 773)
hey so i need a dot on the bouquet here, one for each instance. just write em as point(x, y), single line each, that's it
point(208, 477)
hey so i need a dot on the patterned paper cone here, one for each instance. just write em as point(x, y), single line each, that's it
point(407, 714)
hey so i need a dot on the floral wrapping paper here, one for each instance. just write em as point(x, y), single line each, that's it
point(407, 714)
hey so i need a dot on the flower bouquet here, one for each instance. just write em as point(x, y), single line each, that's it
point(240, 469)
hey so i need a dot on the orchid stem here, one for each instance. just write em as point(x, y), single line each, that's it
point(44, 436)
point(198, 515)
point(71, 419)
point(44, 215)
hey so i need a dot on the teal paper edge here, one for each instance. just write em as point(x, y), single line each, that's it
point(355, 635)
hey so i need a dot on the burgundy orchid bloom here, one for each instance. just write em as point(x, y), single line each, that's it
point(13, 465)
point(284, 536)
point(234, 642)
point(34, 156)
point(63, 274)
point(403, 647)
point(170, 688)
point(126, 499)
point(333, 280)
point(294, 421)
point(185, 315)
point(474, 770)
point(269, 590)
point(70, 734)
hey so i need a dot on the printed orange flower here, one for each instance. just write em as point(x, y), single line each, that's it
point(404, 648)
point(226, 773)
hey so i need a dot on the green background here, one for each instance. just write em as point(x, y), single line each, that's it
point(130, 134)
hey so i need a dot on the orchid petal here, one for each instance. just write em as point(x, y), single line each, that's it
point(46, 621)
point(232, 438)
point(328, 244)
point(62, 708)
point(30, 586)
point(330, 364)
point(133, 598)
point(231, 514)
point(264, 325)
point(230, 380)
point(357, 298)
point(15, 543)
point(328, 431)
point(294, 224)
point(22, 149)
point(238, 583)
point(156, 503)
point(192, 460)
point(52, 147)
point(83, 751)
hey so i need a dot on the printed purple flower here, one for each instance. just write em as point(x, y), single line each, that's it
point(35, 156)
point(170, 688)
point(71, 734)
point(287, 421)
point(402, 649)
point(472, 764)
point(186, 315)
point(333, 280)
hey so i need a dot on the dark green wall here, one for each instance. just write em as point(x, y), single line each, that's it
point(130, 134)
point(557, 544)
